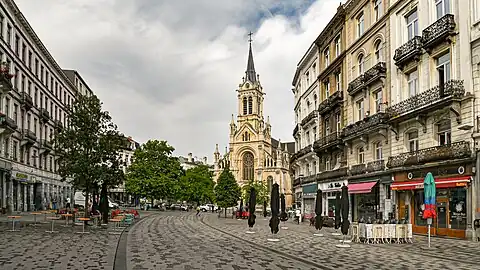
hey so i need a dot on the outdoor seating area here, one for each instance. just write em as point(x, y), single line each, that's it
point(381, 233)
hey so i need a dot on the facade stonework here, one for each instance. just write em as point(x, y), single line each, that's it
point(253, 155)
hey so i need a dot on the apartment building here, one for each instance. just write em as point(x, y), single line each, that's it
point(35, 95)
point(411, 72)
point(126, 154)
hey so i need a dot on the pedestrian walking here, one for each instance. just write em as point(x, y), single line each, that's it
point(198, 211)
point(297, 215)
point(68, 203)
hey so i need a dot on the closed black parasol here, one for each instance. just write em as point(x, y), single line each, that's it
point(274, 204)
point(265, 208)
point(318, 211)
point(338, 220)
point(283, 212)
point(345, 210)
point(251, 207)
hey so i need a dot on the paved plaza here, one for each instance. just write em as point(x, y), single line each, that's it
point(180, 240)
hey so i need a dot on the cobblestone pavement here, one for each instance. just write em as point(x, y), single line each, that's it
point(33, 248)
point(174, 240)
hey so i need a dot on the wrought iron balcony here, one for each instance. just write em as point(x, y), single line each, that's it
point(27, 101)
point(328, 175)
point(47, 145)
point(376, 166)
point(358, 169)
point(295, 130)
point(365, 126)
point(58, 125)
point(412, 50)
point(309, 179)
point(428, 100)
point(331, 102)
point(5, 78)
point(7, 124)
point(455, 150)
point(356, 85)
point(309, 117)
point(307, 149)
point(324, 143)
point(375, 73)
point(44, 114)
point(29, 137)
point(438, 32)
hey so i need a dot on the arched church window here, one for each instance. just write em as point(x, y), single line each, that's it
point(250, 105)
point(248, 166)
point(245, 106)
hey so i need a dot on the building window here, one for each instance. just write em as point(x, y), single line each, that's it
point(360, 155)
point(338, 46)
point(338, 121)
point(9, 34)
point(250, 105)
point(443, 68)
point(34, 156)
point(7, 107)
point(338, 81)
point(2, 19)
point(328, 164)
point(378, 9)
point(248, 166)
point(22, 84)
point(412, 25)
point(15, 151)
point(307, 77)
point(15, 80)
point(360, 110)
point(307, 138)
point(24, 52)
point(307, 169)
point(308, 105)
point(17, 45)
point(314, 70)
point(50, 161)
point(360, 25)
point(378, 155)
point(30, 60)
point(314, 131)
point(412, 141)
point(314, 167)
point(15, 113)
point(245, 106)
point(378, 96)
point(361, 64)
point(315, 98)
point(326, 86)
point(7, 148)
point(327, 126)
point(35, 126)
point(444, 132)
point(378, 51)
point(476, 10)
point(326, 55)
point(442, 7)
point(412, 80)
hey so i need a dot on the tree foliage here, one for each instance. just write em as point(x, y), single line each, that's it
point(261, 190)
point(154, 172)
point(197, 185)
point(85, 147)
point(227, 191)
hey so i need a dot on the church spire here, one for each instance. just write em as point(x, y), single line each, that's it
point(250, 74)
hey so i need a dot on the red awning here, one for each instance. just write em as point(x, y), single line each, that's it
point(361, 187)
point(439, 183)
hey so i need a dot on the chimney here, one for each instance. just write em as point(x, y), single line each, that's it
point(205, 160)
point(190, 157)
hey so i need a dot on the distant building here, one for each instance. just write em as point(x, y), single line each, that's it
point(191, 162)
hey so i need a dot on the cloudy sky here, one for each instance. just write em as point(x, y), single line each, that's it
point(168, 69)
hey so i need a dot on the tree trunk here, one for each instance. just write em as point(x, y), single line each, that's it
point(104, 203)
point(225, 212)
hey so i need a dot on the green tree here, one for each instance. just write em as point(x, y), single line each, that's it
point(261, 190)
point(154, 172)
point(197, 185)
point(78, 145)
point(227, 191)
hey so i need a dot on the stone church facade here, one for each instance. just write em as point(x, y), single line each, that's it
point(252, 153)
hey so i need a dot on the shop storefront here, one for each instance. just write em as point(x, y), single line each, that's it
point(329, 190)
point(370, 200)
point(452, 199)
point(309, 193)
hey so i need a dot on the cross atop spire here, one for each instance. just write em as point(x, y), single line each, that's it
point(250, 72)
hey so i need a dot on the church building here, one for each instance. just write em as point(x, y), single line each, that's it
point(252, 153)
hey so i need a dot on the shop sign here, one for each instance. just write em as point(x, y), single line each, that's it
point(21, 177)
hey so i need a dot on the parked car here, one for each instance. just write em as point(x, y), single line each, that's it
point(244, 215)
point(208, 207)
point(184, 207)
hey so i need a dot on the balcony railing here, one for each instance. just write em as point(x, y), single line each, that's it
point(29, 136)
point(5, 79)
point(438, 32)
point(375, 166)
point(455, 150)
point(412, 50)
point(356, 85)
point(47, 144)
point(27, 101)
point(7, 123)
point(45, 115)
point(309, 117)
point(453, 89)
point(327, 175)
point(366, 125)
point(375, 73)
point(358, 169)
point(307, 149)
point(328, 104)
point(325, 142)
